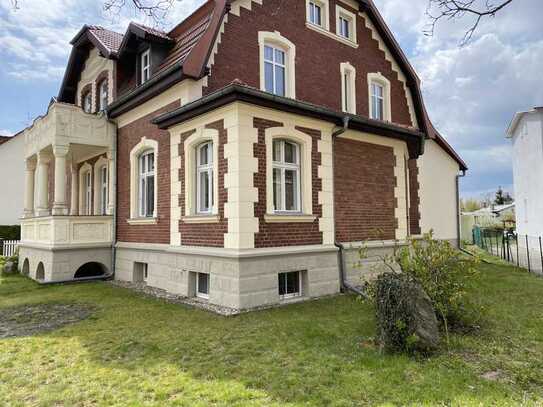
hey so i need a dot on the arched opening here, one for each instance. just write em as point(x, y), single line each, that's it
point(91, 269)
point(40, 272)
point(25, 271)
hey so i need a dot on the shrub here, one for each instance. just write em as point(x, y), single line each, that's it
point(10, 232)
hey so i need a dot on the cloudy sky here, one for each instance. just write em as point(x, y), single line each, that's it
point(471, 92)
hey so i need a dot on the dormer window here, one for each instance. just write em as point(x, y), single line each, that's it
point(145, 62)
point(87, 102)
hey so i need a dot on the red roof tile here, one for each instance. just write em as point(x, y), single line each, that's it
point(111, 40)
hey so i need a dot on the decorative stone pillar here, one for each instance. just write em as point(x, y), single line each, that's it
point(59, 205)
point(29, 188)
point(42, 207)
point(74, 201)
point(111, 183)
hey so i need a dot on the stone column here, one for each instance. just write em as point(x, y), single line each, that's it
point(29, 188)
point(59, 205)
point(111, 183)
point(74, 201)
point(42, 207)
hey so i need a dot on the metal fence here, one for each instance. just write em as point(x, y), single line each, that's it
point(8, 247)
point(521, 250)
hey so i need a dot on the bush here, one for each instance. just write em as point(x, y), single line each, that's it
point(443, 272)
point(406, 320)
point(10, 232)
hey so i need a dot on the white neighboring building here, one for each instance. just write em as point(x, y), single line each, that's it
point(12, 181)
point(526, 133)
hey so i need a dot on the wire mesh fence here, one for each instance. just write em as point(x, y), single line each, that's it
point(520, 250)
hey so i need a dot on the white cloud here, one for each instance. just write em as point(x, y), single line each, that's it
point(6, 133)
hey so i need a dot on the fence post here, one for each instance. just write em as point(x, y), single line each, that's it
point(528, 254)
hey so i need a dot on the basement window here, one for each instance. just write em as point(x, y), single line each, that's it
point(202, 285)
point(290, 285)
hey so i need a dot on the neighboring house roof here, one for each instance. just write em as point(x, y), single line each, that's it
point(518, 117)
point(493, 209)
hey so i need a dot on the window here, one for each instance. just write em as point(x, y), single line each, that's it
point(145, 270)
point(315, 13)
point(104, 191)
point(87, 102)
point(379, 97)
point(275, 70)
point(348, 88)
point(286, 176)
point(377, 101)
point(147, 184)
point(345, 24)
point(145, 66)
point(290, 284)
point(277, 64)
point(204, 178)
point(88, 193)
point(202, 285)
point(103, 95)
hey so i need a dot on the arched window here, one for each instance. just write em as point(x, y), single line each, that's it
point(87, 102)
point(146, 184)
point(286, 176)
point(204, 177)
point(88, 192)
point(103, 95)
point(379, 94)
point(104, 190)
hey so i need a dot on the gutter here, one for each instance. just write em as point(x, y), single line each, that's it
point(458, 219)
point(344, 284)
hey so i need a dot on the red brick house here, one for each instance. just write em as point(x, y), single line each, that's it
point(235, 156)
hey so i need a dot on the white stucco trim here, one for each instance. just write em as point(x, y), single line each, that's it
point(275, 38)
point(325, 15)
point(341, 12)
point(200, 136)
point(144, 145)
point(306, 144)
point(379, 78)
point(347, 68)
point(82, 201)
point(102, 162)
point(94, 65)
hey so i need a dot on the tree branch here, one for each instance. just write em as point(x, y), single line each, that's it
point(458, 9)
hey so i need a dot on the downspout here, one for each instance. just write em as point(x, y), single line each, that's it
point(114, 200)
point(458, 216)
point(344, 284)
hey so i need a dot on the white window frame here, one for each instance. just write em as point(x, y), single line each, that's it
point(305, 143)
point(325, 13)
point(144, 145)
point(102, 163)
point(283, 166)
point(346, 15)
point(87, 177)
point(199, 137)
point(276, 64)
point(87, 102)
point(103, 94)
point(104, 189)
point(379, 79)
point(348, 88)
point(276, 40)
point(291, 295)
point(205, 168)
point(85, 206)
point(145, 72)
point(199, 294)
point(143, 177)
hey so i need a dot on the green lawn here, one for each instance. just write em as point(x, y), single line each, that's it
point(140, 351)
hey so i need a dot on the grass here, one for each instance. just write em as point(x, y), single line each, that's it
point(140, 351)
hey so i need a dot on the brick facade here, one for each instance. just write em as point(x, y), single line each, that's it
point(127, 137)
point(414, 198)
point(317, 67)
point(285, 234)
point(210, 234)
point(364, 191)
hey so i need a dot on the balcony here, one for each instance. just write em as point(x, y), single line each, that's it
point(67, 231)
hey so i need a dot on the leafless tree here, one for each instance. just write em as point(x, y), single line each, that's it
point(457, 9)
point(152, 9)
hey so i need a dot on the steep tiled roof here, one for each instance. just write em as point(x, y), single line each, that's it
point(152, 31)
point(111, 40)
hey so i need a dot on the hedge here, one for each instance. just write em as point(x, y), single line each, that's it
point(12, 232)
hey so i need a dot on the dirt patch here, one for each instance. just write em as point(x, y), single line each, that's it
point(27, 320)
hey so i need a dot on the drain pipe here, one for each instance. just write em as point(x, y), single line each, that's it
point(458, 216)
point(344, 284)
point(114, 201)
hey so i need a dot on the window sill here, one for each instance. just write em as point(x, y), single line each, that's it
point(201, 219)
point(285, 218)
point(331, 34)
point(142, 221)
